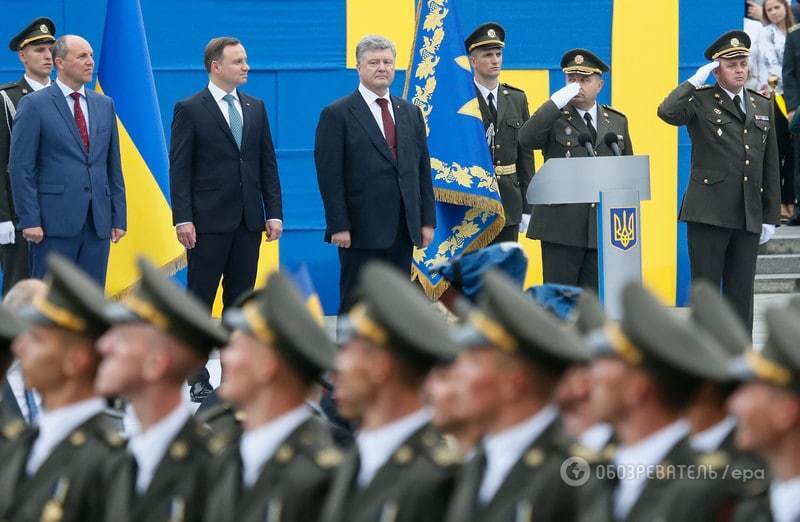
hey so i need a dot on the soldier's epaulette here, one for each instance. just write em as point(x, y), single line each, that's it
point(703, 87)
point(584, 452)
point(511, 87)
point(612, 109)
point(714, 459)
point(8, 85)
point(794, 27)
point(13, 429)
point(752, 91)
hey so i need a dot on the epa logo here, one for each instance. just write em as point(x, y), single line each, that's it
point(575, 472)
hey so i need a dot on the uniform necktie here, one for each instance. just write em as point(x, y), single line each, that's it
point(492, 108)
point(737, 101)
point(388, 126)
point(592, 130)
point(80, 120)
point(235, 120)
point(33, 410)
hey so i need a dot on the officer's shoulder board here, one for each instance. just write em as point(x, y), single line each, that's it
point(512, 88)
point(616, 111)
point(752, 91)
point(8, 85)
point(794, 27)
point(703, 87)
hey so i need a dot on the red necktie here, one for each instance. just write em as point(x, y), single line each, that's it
point(388, 126)
point(80, 121)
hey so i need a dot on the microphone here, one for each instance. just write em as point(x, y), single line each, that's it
point(586, 140)
point(612, 140)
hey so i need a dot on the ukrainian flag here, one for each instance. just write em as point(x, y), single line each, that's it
point(125, 74)
point(305, 286)
point(469, 212)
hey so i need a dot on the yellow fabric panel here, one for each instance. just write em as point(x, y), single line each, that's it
point(150, 231)
point(268, 262)
point(650, 26)
point(393, 19)
point(536, 85)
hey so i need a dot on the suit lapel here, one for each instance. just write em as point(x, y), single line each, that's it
point(248, 112)
point(502, 103)
point(402, 126)
point(25, 86)
point(13, 469)
point(364, 117)
point(216, 113)
point(574, 119)
point(92, 107)
point(486, 117)
point(725, 102)
point(466, 495)
point(751, 108)
point(343, 483)
point(654, 488)
point(603, 125)
point(60, 102)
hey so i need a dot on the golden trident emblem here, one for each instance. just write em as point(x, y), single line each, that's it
point(624, 228)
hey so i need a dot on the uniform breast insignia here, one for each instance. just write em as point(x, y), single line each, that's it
point(717, 111)
point(761, 117)
point(403, 455)
point(178, 450)
point(624, 226)
point(534, 458)
point(54, 508)
point(719, 132)
point(328, 458)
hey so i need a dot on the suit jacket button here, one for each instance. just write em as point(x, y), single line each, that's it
point(745, 178)
point(747, 147)
point(747, 162)
point(594, 205)
point(86, 189)
point(705, 181)
point(745, 131)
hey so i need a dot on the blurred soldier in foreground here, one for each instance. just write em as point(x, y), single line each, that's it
point(282, 467)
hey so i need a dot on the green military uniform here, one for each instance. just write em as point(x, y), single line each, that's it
point(533, 489)
point(513, 163)
point(179, 486)
point(14, 257)
point(10, 422)
point(68, 485)
point(569, 232)
point(415, 484)
point(734, 183)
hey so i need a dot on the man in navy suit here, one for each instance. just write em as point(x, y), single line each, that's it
point(374, 171)
point(66, 175)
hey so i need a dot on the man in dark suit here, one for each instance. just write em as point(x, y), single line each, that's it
point(32, 45)
point(66, 175)
point(569, 232)
point(733, 198)
point(223, 178)
point(374, 171)
point(503, 110)
point(791, 94)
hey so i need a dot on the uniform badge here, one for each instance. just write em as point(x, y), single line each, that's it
point(491, 33)
point(43, 28)
point(717, 111)
point(534, 458)
point(285, 454)
point(624, 227)
point(178, 450)
point(53, 511)
point(403, 455)
point(578, 59)
point(505, 91)
point(719, 132)
point(327, 458)
point(78, 438)
point(734, 42)
point(761, 117)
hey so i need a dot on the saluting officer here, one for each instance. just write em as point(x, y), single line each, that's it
point(55, 472)
point(400, 469)
point(32, 45)
point(159, 337)
point(733, 199)
point(559, 128)
point(504, 109)
point(283, 464)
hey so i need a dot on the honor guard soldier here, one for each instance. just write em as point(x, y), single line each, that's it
point(161, 336)
point(10, 327)
point(55, 472)
point(504, 109)
point(513, 356)
point(732, 201)
point(768, 408)
point(400, 469)
point(283, 464)
point(645, 372)
point(32, 45)
point(571, 124)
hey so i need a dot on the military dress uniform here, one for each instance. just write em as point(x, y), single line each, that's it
point(513, 164)
point(734, 184)
point(67, 484)
point(532, 489)
point(14, 256)
point(568, 232)
point(11, 424)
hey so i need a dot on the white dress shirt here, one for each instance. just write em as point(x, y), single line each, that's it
point(597, 436)
point(592, 112)
point(16, 382)
point(740, 94)
point(218, 94)
point(646, 453)
point(371, 99)
point(784, 500)
point(505, 448)
point(258, 445)
point(376, 446)
point(485, 92)
point(71, 103)
point(711, 438)
point(56, 425)
point(36, 86)
point(149, 447)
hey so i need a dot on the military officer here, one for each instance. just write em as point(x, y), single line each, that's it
point(399, 468)
point(160, 336)
point(768, 408)
point(513, 356)
point(283, 464)
point(503, 109)
point(55, 472)
point(32, 45)
point(733, 198)
point(559, 128)
point(644, 375)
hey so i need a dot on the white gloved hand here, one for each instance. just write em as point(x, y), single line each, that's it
point(523, 224)
point(767, 231)
point(702, 73)
point(7, 232)
point(562, 96)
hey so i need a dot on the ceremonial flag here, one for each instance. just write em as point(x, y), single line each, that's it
point(125, 74)
point(305, 286)
point(469, 212)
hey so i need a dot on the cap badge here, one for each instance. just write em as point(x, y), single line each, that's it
point(491, 33)
point(735, 42)
point(579, 59)
point(43, 28)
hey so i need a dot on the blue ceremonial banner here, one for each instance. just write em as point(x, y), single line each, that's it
point(469, 212)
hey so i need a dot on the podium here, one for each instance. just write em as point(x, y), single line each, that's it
point(616, 184)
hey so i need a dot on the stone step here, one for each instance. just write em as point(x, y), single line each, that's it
point(777, 283)
point(785, 241)
point(778, 264)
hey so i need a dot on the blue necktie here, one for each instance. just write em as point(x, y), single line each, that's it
point(235, 119)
